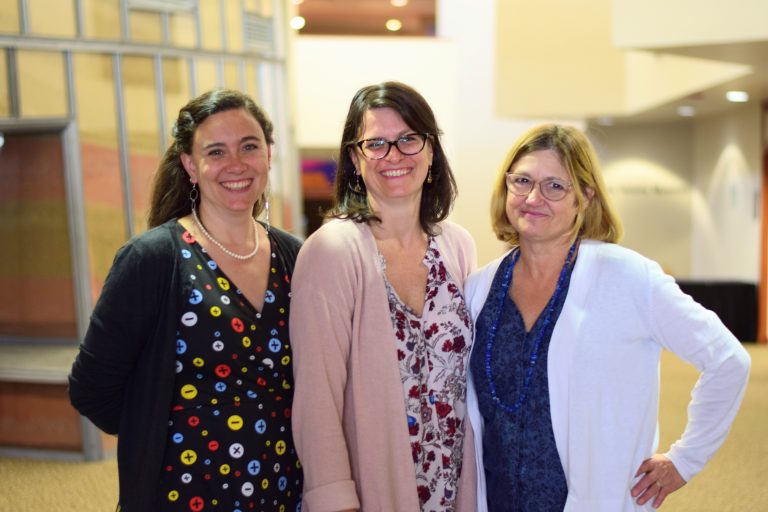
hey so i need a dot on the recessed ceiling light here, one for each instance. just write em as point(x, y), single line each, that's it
point(737, 96)
point(298, 22)
point(393, 25)
point(686, 111)
point(398, 3)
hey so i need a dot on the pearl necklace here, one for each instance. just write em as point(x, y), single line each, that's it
point(221, 246)
point(549, 311)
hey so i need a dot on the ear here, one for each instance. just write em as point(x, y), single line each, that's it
point(189, 165)
point(589, 193)
point(269, 155)
point(355, 159)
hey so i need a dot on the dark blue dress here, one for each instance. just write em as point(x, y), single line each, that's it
point(522, 467)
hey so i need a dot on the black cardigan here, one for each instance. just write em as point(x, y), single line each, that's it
point(123, 377)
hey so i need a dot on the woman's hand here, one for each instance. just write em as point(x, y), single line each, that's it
point(659, 481)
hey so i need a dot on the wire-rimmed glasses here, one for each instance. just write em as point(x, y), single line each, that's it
point(553, 189)
point(378, 148)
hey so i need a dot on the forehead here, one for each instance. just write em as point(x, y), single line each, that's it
point(382, 122)
point(544, 163)
point(229, 123)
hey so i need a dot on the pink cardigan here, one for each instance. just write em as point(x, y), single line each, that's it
point(348, 410)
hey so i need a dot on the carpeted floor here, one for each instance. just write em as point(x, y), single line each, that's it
point(733, 481)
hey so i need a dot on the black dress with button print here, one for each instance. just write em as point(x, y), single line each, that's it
point(229, 438)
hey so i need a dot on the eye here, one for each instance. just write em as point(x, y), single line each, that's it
point(520, 180)
point(374, 143)
point(556, 185)
point(409, 138)
point(215, 152)
point(250, 147)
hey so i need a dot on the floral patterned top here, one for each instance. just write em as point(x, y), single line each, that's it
point(432, 351)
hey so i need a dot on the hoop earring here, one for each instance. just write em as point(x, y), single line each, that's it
point(429, 174)
point(194, 195)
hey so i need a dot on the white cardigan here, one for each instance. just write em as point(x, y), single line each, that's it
point(603, 371)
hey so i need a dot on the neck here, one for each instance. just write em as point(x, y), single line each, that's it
point(400, 225)
point(229, 228)
point(541, 260)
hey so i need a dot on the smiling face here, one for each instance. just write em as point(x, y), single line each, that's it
point(533, 216)
point(229, 162)
point(396, 177)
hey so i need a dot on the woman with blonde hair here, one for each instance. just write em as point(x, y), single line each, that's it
point(569, 328)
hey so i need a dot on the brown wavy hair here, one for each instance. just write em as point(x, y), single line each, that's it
point(436, 198)
point(171, 185)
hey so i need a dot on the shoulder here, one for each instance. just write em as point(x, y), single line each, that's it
point(616, 261)
point(156, 243)
point(288, 242)
point(336, 236)
point(484, 274)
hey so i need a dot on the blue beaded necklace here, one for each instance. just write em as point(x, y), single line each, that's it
point(548, 312)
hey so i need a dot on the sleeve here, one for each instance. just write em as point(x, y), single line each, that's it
point(124, 317)
point(697, 335)
point(321, 327)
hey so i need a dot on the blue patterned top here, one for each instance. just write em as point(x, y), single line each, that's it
point(522, 467)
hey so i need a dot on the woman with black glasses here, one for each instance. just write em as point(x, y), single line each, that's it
point(564, 388)
point(379, 327)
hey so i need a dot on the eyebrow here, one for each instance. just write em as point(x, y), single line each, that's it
point(244, 139)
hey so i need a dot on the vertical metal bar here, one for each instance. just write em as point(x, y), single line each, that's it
point(79, 20)
point(241, 75)
point(220, 72)
point(193, 77)
point(23, 17)
point(198, 27)
point(13, 83)
point(125, 164)
point(92, 446)
point(223, 24)
point(160, 91)
point(165, 20)
point(125, 21)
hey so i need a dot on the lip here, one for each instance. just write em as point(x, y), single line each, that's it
point(237, 185)
point(396, 173)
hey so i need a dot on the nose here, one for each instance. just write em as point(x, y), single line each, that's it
point(236, 162)
point(394, 153)
point(534, 195)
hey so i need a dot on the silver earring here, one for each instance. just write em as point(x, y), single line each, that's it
point(194, 194)
point(266, 210)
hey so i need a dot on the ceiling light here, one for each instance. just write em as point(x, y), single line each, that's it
point(393, 25)
point(398, 3)
point(298, 22)
point(737, 96)
point(686, 111)
point(297, 2)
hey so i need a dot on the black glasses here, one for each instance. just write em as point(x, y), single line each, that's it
point(408, 144)
point(553, 189)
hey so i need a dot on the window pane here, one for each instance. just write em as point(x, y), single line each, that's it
point(101, 19)
point(5, 102)
point(210, 25)
point(232, 75)
point(183, 30)
point(100, 160)
point(177, 90)
point(141, 124)
point(146, 27)
point(9, 17)
point(252, 80)
point(52, 17)
point(36, 290)
point(207, 75)
point(234, 25)
point(42, 84)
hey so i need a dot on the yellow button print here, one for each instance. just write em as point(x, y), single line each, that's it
point(188, 457)
point(173, 495)
point(224, 469)
point(215, 311)
point(198, 361)
point(280, 447)
point(223, 283)
point(246, 341)
point(188, 391)
point(235, 422)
